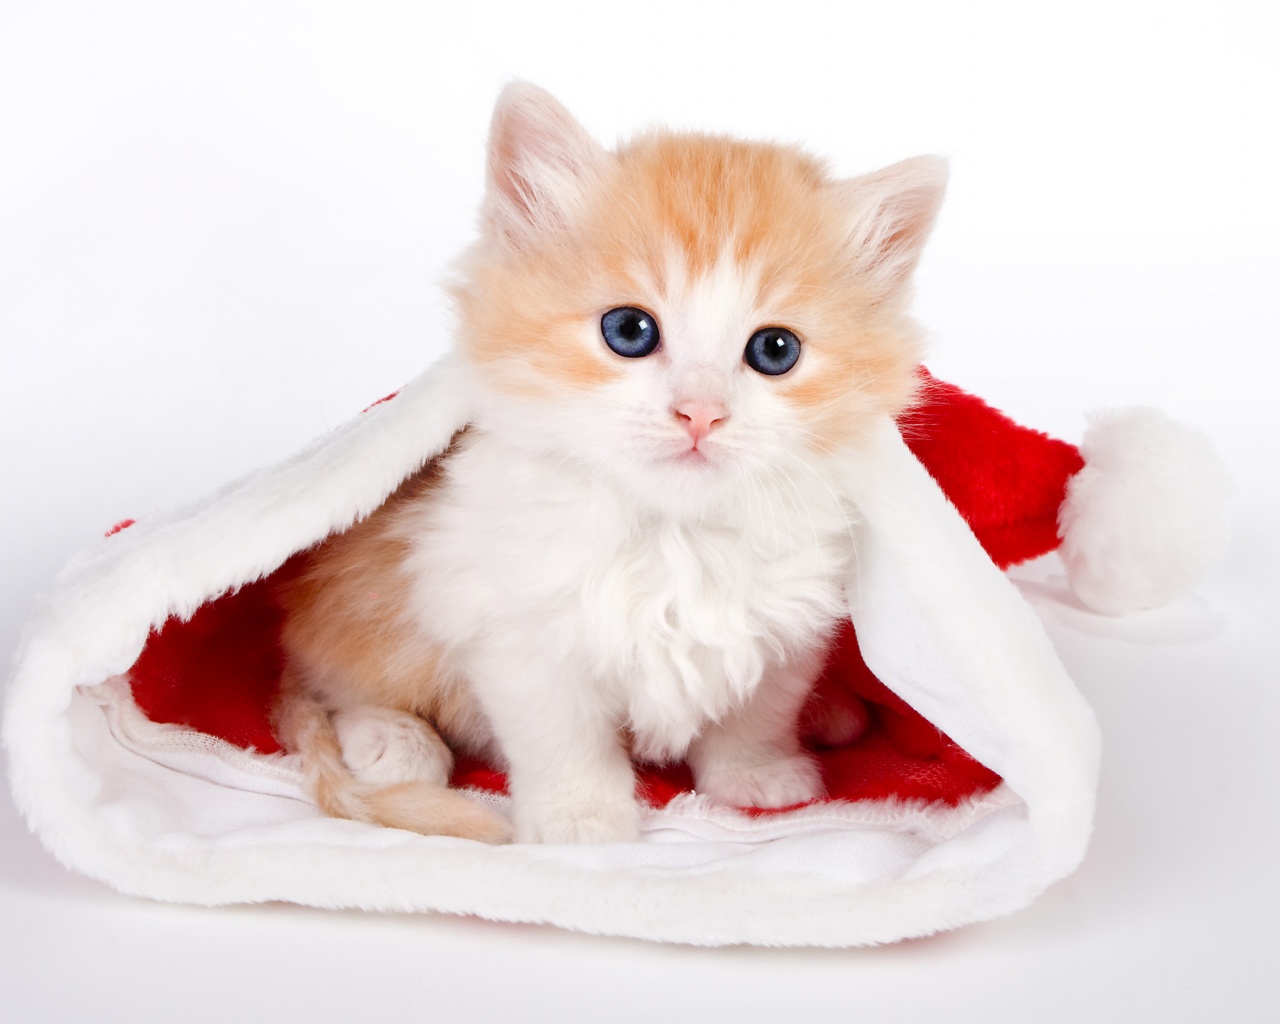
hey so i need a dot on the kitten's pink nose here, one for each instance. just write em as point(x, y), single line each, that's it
point(699, 418)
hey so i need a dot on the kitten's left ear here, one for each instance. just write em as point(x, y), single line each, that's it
point(540, 162)
point(891, 212)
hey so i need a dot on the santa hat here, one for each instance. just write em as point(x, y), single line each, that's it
point(140, 750)
point(1137, 512)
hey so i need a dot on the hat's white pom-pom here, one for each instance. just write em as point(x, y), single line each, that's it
point(1146, 517)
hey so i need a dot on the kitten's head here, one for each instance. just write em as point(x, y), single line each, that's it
point(690, 307)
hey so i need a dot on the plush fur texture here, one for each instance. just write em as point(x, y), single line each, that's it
point(1147, 515)
point(620, 556)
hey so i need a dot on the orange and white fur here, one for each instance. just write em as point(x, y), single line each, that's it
point(629, 553)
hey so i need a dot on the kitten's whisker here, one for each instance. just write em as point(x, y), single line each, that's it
point(841, 503)
point(802, 506)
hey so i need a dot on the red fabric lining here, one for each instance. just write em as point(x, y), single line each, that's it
point(218, 671)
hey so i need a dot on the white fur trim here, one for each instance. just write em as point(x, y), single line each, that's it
point(1147, 516)
point(166, 813)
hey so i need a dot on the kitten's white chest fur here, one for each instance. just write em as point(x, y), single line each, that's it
point(530, 562)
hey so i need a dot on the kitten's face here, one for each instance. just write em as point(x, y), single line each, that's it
point(690, 309)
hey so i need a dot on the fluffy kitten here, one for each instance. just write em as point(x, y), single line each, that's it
point(634, 549)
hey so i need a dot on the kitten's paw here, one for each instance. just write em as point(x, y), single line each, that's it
point(840, 722)
point(594, 822)
point(384, 747)
point(781, 782)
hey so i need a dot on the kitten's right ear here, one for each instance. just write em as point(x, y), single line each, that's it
point(540, 162)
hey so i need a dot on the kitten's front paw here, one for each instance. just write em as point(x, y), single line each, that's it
point(782, 782)
point(595, 822)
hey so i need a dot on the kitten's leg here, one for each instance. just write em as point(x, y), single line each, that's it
point(837, 717)
point(370, 763)
point(753, 757)
point(569, 772)
point(383, 747)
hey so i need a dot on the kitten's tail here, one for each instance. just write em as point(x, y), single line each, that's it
point(306, 728)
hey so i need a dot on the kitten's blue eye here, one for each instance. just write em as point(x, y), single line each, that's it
point(629, 331)
point(772, 351)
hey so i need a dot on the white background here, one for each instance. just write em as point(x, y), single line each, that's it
point(222, 228)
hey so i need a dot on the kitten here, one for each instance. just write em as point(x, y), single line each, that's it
point(634, 549)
